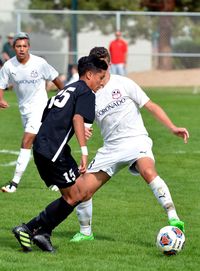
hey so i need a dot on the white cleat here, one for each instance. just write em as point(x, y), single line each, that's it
point(54, 188)
point(10, 188)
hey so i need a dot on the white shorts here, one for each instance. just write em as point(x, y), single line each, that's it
point(112, 158)
point(32, 121)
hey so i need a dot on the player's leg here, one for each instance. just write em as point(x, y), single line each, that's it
point(146, 167)
point(38, 230)
point(84, 214)
point(103, 160)
point(57, 211)
point(22, 162)
point(94, 181)
point(41, 226)
point(31, 124)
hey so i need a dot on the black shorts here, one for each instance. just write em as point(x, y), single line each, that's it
point(63, 172)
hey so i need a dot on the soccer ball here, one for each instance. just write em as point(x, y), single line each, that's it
point(170, 240)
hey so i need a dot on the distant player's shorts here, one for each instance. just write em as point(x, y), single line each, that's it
point(63, 172)
point(32, 121)
point(111, 158)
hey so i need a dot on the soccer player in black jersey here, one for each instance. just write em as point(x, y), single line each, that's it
point(64, 115)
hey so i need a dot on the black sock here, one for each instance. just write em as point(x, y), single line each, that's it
point(52, 216)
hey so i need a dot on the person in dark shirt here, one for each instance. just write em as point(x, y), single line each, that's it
point(64, 115)
point(8, 50)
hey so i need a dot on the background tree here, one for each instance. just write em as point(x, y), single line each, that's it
point(161, 29)
point(72, 24)
point(166, 25)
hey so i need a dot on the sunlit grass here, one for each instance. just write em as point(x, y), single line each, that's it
point(126, 215)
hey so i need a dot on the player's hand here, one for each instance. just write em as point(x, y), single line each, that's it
point(88, 130)
point(3, 104)
point(182, 132)
point(83, 164)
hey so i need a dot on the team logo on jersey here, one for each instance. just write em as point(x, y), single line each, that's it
point(110, 106)
point(34, 74)
point(116, 94)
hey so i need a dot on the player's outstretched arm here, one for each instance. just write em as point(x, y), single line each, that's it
point(162, 117)
point(59, 84)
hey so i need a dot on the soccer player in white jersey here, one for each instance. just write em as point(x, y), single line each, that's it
point(118, 115)
point(126, 143)
point(28, 75)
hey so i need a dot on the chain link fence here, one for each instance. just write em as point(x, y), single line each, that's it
point(157, 41)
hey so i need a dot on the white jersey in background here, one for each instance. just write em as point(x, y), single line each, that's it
point(117, 109)
point(28, 81)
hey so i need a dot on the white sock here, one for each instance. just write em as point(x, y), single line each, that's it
point(22, 162)
point(84, 213)
point(163, 196)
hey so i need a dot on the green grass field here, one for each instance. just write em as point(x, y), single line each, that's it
point(126, 216)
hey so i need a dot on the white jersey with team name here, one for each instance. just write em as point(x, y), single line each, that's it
point(118, 109)
point(29, 81)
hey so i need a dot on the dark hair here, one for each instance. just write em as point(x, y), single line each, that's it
point(100, 52)
point(91, 63)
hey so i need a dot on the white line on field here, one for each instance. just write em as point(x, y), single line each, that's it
point(13, 163)
point(10, 152)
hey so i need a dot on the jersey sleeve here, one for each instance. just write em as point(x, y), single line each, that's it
point(49, 72)
point(4, 77)
point(85, 106)
point(135, 92)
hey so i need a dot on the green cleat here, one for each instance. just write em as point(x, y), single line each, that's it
point(79, 237)
point(177, 223)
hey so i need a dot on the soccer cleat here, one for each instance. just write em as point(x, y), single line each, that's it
point(43, 241)
point(54, 188)
point(177, 223)
point(24, 236)
point(79, 237)
point(10, 188)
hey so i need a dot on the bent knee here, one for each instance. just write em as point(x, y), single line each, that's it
point(73, 201)
point(148, 174)
point(28, 141)
point(76, 199)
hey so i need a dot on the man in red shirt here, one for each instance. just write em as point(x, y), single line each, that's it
point(118, 51)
